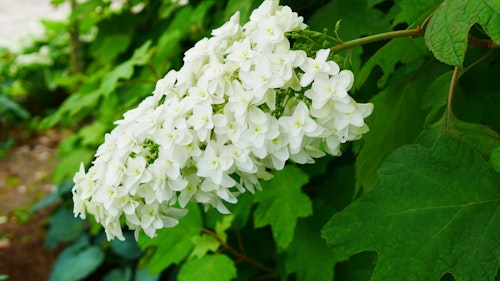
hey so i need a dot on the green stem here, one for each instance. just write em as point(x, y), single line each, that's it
point(453, 83)
point(377, 37)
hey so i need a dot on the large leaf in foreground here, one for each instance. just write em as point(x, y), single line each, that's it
point(397, 120)
point(448, 30)
point(437, 210)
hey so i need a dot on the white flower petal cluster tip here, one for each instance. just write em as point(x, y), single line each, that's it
point(243, 104)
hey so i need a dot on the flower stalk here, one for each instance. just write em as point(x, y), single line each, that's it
point(417, 32)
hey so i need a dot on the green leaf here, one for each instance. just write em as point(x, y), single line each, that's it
point(93, 134)
point(358, 267)
point(69, 164)
point(436, 211)
point(396, 120)
point(478, 136)
point(308, 255)
point(412, 10)
point(281, 202)
point(447, 33)
point(142, 274)
point(436, 96)
point(358, 19)
point(203, 244)
point(126, 249)
point(64, 227)
point(107, 47)
point(125, 70)
point(209, 268)
point(223, 225)
point(118, 274)
point(404, 50)
point(172, 245)
point(244, 7)
point(77, 261)
point(495, 159)
point(239, 211)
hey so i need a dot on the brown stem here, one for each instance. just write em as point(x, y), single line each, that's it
point(482, 43)
point(239, 255)
point(153, 70)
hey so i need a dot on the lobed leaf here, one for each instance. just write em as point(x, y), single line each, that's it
point(437, 210)
point(209, 268)
point(448, 29)
point(404, 50)
point(281, 202)
point(396, 120)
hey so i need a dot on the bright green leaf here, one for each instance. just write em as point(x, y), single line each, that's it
point(447, 33)
point(244, 7)
point(436, 211)
point(125, 70)
point(109, 46)
point(223, 225)
point(281, 202)
point(93, 134)
point(198, 15)
point(172, 245)
point(209, 268)
point(495, 159)
point(110, 80)
point(69, 164)
point(396, 120)
point(203, 244)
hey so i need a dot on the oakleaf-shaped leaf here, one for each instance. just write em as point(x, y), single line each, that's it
point(411, 10)
point(448, 30)
point(437, 210)
point(404, 50)
point(172, 245)
point(209, 268)
point(204, 244)
point(396, 120)
point(281, 202)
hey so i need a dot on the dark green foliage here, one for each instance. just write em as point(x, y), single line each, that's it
point(416, 199)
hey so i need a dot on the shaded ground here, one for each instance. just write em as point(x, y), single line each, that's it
point(25, 178)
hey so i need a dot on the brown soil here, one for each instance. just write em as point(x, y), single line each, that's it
point(25, 178)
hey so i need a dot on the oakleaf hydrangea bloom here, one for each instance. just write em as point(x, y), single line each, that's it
point(243, 104)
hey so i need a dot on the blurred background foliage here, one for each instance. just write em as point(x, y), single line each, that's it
point(107, 56)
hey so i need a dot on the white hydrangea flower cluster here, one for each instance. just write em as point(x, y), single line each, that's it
point(243, 104)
